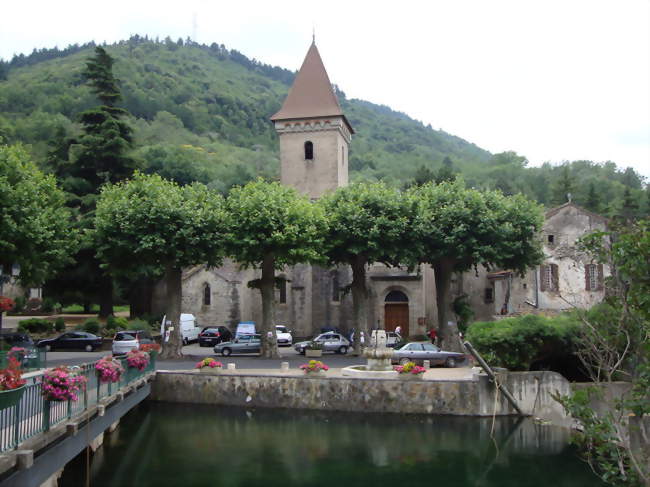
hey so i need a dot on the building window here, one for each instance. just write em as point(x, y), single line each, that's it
point(593, 277)
point(309, 150)
point(488, 295)
point(549, 277)
point(396, 297)
point(336, 289)
point(550, 239)
point(282, 287)
point(207, 295)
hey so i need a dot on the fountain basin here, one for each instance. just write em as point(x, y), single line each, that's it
point(363, 372)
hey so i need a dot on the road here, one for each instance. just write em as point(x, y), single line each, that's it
point(194, 353)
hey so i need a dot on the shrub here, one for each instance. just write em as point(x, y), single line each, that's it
point(20, 303)
point(516, 343)
point(48, 305)
point(59, 324)
point(91, 325)
point(36, 325)
point(116, 323)
point(138, 324)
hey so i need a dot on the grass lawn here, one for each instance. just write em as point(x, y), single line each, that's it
point(78, 309)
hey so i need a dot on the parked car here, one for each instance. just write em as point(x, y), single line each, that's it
point(189, 328)
point(9, 340)
point(211, 335)
point(242, 344)
point(393, 339)
point(72, 340)
point(125, 341)
point(245, 328)
point(419, 351)
point(331, 342)
point(283, 335)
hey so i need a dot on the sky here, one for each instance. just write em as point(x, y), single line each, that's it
point(552, 80)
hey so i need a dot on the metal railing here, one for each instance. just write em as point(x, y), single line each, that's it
point(32, 359)
point(34, 414)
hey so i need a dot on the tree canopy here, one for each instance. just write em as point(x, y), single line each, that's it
point(456, 228)
point(35, 232)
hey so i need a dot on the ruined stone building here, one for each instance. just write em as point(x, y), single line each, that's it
point(314, 139)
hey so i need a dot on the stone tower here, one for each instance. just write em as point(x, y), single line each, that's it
point(314, 133)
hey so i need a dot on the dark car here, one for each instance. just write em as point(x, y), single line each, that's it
point(72, 340)
point(212, 335)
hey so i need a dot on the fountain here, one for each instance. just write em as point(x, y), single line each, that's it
point(378, 357)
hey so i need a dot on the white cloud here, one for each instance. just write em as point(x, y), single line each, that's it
point(552, 79)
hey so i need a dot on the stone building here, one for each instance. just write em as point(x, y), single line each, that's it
point(314, 139)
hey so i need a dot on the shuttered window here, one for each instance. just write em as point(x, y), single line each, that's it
point(594, 277)
point(549, 277)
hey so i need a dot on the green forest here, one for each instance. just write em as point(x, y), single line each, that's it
point(201, 113)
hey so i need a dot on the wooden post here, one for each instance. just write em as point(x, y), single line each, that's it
point(492, 376)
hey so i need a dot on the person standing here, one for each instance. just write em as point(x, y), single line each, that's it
point(433, 335)
point(398, 330)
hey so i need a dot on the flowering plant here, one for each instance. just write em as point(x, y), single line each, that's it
point(410, 368)
point(11, 378)
point(208, 362)
point(137, 359)
point(150, 347)
point(61, 384)
point(109, 369)
point(6, 304)
point(18, 353)
point(314, 366)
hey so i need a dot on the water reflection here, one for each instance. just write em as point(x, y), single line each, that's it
point(171, 444)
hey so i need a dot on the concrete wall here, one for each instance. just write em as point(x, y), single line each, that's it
point(476, 397)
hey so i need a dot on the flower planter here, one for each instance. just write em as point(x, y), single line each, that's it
point(410, 376)
point(11, 397)
point(210, 370)
point(315, 373)
point(313, 353)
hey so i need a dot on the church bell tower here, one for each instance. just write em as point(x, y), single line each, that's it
point(314, 133)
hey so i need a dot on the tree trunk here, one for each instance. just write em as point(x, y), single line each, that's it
point(140, 298)
point(105, 296)
point(447, 336)
point(88, 306)
point(360, 303)
point(267, 289)
point(173, 348)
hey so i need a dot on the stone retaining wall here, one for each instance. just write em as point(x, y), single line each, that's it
point(464, 397)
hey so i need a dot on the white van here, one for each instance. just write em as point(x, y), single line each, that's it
point(189, 328)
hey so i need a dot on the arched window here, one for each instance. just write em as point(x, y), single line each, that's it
point(207, 295)
point(309, 150)
point(396, 297)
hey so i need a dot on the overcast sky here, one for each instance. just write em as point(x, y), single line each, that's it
point(552, 80)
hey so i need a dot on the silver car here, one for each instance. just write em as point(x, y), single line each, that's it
point(419, 351)
point(330, 341)
point(241, 344)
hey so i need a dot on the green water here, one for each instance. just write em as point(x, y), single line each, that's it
point(162, 445)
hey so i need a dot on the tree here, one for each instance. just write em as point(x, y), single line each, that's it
point(629, 207)
point(456, 228)
point(271, 226)
point(368, 222)
point(446, 171)
point(563, 187)
point(99, 156)
point(35, 231)
point(148, 226)
point(593, 199)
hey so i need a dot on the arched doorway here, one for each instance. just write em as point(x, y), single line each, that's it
point(396, 312)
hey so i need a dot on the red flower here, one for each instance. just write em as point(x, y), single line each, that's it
point(6, 304)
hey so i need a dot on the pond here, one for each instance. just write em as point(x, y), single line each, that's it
point(160, 444)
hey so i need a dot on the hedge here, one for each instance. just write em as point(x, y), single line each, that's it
point(36, 325)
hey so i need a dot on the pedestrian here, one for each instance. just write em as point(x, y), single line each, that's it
point(398, 330)
point(433, 335)
point(361, 338)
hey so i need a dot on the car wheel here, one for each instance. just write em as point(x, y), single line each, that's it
point(404, 361)
point(201, 344)
point(89, 348)
point(185, 341)
point(226, 352)
point(48, 348)
point(450, 362)
point(302, 351)
point(343, 350)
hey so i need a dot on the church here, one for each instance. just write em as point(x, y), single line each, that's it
point(315, 137)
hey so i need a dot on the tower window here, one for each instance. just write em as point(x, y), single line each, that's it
point(309, 150)
point(281, 285)
point(336, 291)
point(207, 295)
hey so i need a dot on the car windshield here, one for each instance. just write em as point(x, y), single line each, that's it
point(210, 330)
point(281, 329)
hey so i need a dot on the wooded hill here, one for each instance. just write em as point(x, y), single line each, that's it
point(202, 113)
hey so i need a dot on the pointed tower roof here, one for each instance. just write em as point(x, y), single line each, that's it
point(311, 95)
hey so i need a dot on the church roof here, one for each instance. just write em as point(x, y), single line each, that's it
point(311, 95)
